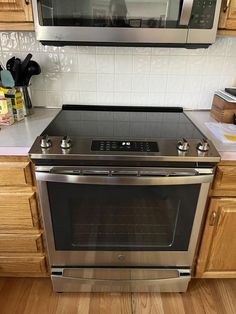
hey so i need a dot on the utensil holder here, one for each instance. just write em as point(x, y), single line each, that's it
point(28, 108)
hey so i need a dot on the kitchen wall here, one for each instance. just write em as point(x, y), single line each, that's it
point(123, 75)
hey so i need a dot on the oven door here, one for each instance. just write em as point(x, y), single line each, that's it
point(128, 217)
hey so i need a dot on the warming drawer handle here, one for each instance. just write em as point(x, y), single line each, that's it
point(129, 281)
point(186, 12)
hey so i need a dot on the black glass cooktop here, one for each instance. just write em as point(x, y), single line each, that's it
point(128, 123)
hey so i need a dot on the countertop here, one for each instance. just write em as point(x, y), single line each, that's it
point(198, 117)
point(19, 137)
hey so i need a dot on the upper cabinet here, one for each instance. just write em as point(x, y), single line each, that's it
point(16, 15)
point(227, 21)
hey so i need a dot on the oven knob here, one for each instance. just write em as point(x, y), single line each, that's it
point(183, 145)
point(45, 142)
point(66, 142)
point(203, 146)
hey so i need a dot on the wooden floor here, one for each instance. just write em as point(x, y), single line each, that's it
point(35, 296)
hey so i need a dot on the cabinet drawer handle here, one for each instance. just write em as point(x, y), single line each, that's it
point(27, 2)
point(226, 6)
point(213, 218)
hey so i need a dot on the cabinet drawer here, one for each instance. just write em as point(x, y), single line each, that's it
point(15, 173)
point(26, 263)
point(225, 179)
point(22, 243)
point(18, 210)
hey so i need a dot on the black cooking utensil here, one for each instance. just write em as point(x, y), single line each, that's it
point(16, 71)
point(25, 63)
point(10, 64)
point(33, 68)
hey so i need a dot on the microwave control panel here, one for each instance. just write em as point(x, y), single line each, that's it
point(203, 13)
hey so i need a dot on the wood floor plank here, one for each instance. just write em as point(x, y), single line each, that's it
point(172, 303)
point(194, 294)
point(228, 294)
point(208, 297)
point(35, 296)
point(14, 295)
point(41, 299)
point(147, 303)
point(67, 303)
point(115, 303)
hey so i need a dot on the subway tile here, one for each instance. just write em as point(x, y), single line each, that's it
point(124, 64)
point(9, 41)
point(157, 84)
point(86, 63)
point(123, 82)
point(141, 64)
point(159, 65)
point(105, 82)
point(105, 63)
point(70, 81)
point(87, 82)
point(68, 62)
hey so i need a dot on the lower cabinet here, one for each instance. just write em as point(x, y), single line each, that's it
point(22, 250)
point(217, 255)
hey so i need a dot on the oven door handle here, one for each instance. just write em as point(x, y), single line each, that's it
point(123, 180)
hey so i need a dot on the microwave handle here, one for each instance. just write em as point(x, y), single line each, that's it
point(186, 12)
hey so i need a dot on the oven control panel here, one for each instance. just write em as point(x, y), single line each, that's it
point(126, 145)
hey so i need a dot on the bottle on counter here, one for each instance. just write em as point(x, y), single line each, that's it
point(6, 112)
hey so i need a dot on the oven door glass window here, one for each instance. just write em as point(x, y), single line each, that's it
point(118, 217)
point(111, 13)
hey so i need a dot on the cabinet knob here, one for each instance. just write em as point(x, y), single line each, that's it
point(213, 218)
point(27, 2)
point(226, 5)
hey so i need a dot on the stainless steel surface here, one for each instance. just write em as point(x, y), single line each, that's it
point(66, 142)
point(127, 179)
point(81, 150)
point(203, 146)
point(122, 280)
point(127, 35)
point(45, 142)
point(205, 35)
point(186, 12)
point(183, 145)
point(133, 258)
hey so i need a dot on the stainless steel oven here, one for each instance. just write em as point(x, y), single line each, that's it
point(122, 228)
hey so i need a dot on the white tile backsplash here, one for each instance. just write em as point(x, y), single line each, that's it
point(125, 75)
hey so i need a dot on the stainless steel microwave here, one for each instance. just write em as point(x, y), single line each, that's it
point(183, 23)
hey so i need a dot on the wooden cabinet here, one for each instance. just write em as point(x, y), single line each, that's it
point(217, 255)
point(227, 21)
point(16, 15)
point(21, 236)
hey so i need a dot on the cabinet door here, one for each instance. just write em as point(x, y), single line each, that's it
point(228, 15)
point(218, 249)
point(224, 183)
point(15, 11)
point(18, 210)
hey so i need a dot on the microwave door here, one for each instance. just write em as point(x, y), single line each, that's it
point(95, 22)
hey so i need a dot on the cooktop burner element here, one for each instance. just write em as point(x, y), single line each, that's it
point(123, 133)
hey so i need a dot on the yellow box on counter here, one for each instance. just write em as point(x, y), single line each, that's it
point(17, 102)
point(6, 113)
